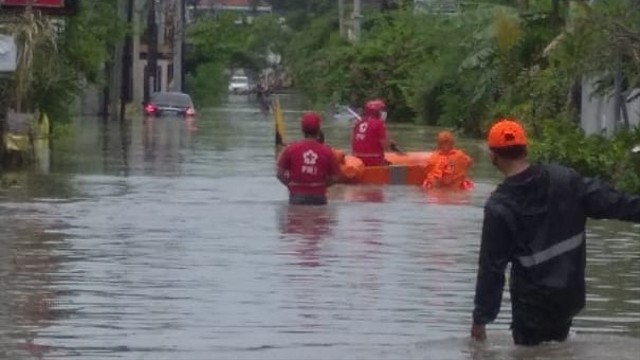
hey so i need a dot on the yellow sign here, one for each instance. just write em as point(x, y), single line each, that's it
point(278, 117)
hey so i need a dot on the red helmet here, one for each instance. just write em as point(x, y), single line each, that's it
point(374, 107)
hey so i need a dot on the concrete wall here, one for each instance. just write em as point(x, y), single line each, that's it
point(598, 112)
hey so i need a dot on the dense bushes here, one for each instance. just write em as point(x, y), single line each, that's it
point(610, 159)
point(488, 61)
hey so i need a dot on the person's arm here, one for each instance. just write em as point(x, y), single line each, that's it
point(430, 176)
point(495, 254)
point(602, 201)
point(283, 165)
point(383, 135)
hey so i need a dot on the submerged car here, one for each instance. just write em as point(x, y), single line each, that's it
point(170, 103)
point(239, 85)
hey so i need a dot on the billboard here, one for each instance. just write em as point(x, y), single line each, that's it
point(36, 3)
point(47, 7)
point(8, 54)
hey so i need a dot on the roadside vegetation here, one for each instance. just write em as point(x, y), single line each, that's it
point(519, 58)
point(58, 58)
point(524, 59)
point(220, 44)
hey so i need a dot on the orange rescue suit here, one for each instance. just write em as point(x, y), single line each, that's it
point(448, 170)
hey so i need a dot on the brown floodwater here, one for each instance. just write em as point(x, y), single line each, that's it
point(173, 240)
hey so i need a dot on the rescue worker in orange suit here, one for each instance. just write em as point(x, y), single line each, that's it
point(369, 138)
point(535, 220)
point(307, 167)
point(447, 168)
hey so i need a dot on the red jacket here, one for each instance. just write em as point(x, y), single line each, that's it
point(367, 139)
point(308, 165)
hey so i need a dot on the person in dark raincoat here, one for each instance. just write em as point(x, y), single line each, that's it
point(536, 221)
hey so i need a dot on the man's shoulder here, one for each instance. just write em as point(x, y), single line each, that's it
point(560, 173)
point(294, 147)
point(324, 149)
point(497, 197)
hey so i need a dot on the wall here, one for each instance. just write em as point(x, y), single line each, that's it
point(598, 112)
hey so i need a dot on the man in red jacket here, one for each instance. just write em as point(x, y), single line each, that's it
point(307, 167)
point(369, 138)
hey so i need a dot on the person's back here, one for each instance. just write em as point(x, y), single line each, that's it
point(536, 221)
point(310, 164)
point(543, 206)
point(307, 167)
point(369, 135)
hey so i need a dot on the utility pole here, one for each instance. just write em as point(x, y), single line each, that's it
point(178, 49)
point(357, 18)
point(152, 53)
point(115, 72)
point(127, 63)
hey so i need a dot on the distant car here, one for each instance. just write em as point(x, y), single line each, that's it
point(170, 103)
point(239, 85)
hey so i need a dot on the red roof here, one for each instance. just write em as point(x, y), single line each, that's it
point(37, 3)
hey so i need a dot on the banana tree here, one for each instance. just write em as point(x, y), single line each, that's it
point(36, 37)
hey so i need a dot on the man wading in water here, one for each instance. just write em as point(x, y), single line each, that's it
point(536, 221)
point(308, 167)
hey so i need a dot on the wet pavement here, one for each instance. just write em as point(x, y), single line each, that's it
point(173, 240)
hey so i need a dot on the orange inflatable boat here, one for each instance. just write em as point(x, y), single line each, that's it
point(404, 169)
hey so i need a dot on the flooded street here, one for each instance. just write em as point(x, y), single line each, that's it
point(173, 240)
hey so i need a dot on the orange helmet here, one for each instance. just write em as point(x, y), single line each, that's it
point(505, 133)
point(445, 137)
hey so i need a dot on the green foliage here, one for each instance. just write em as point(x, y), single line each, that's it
point(610, 159)
point(58, 59)
point(89, 37)
point(220, 44)
point(494, 59)
point(207, 83)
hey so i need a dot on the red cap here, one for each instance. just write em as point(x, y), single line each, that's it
point(374, 107)
point(310, 122)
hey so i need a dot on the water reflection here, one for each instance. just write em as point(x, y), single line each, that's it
point(357, 193)
point(305, 229)
point(28, 280)
point(164, 140)
point(447, 197)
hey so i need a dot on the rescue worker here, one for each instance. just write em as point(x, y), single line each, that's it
point(535, 220)
point(447, 168)
point(369, 138)
point(307, 167)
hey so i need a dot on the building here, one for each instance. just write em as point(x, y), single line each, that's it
point(161, 42)
point(246, 9)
